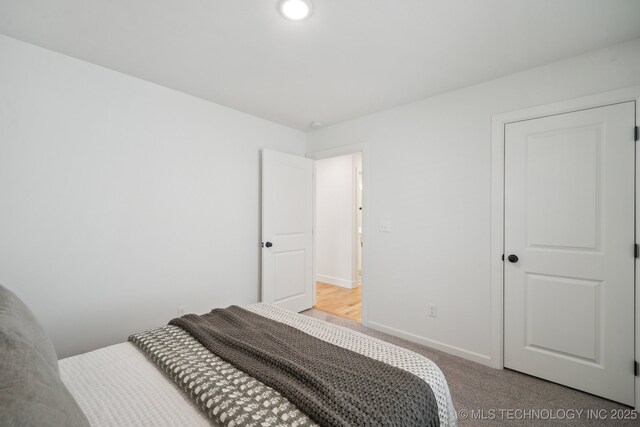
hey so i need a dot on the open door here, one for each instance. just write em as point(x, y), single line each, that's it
point(287, 218)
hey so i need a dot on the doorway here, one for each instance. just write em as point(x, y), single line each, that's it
point(339, 235)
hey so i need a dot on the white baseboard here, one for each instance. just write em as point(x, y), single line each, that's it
point(465, 354)
point(344, 283)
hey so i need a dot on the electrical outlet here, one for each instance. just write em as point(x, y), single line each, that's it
point(385, 226)
point(182, 310)
point(433, 310)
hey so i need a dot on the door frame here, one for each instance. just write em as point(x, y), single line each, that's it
point(499, 121)
point(362, 147)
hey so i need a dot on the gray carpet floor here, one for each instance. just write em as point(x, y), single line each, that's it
point(504, 397)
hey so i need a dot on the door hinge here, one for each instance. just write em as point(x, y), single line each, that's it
point(636, 251)
point(636, 368)
point(637, 133)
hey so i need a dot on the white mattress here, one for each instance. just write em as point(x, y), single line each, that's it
point(118, 386)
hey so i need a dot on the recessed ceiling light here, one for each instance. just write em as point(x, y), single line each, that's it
point(295, 10)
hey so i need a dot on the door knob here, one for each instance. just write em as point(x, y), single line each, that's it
point(513, 258)
point(268, 244)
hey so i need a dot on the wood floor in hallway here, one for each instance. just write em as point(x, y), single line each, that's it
point(339, 301)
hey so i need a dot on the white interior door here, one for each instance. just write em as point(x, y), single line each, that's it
point(287, 218)
point(569, 218)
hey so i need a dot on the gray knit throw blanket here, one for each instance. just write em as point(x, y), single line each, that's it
point(332, 385)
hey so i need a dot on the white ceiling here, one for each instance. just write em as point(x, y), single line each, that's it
point(350, 58)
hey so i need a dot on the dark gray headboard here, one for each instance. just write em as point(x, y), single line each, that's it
point(31, 391)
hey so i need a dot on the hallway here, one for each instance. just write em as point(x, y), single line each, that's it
point(343, 302)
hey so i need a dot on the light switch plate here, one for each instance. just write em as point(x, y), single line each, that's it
point(433, 310)
point(385, 226)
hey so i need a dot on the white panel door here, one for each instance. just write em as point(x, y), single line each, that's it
point(569, 218)
point(287, 218)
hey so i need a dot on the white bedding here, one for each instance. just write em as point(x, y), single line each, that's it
point(118, 386)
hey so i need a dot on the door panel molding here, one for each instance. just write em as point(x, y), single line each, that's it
point(499, 121)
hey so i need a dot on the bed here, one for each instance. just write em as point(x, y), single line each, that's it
point(166, 377)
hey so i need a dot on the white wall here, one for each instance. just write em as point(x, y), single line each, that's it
point(335, 221)
point(121, 199)
point(428, 171)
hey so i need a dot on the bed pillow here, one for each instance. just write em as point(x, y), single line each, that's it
point(31, 391)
